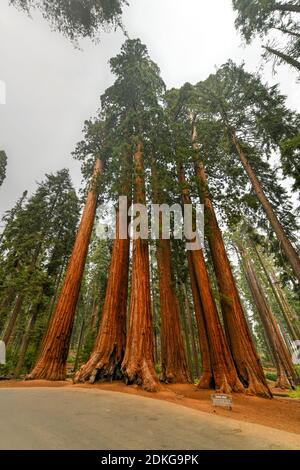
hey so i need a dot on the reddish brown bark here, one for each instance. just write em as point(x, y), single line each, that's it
point(287, 311)
point(173, 357)
point(238, 335)
point(51, 364)
point(286, 373)
point(138, 364)
point(206, 379)
point(191, 334)
point(290, 252)
point(224, 372)
point(107, 356)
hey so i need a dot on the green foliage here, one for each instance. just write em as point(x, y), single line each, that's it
point(35, 246)
point(77, 18)
point(295, 393)
point(262, 17)
point(3, 164)
point(290, 151)
point(271, 376)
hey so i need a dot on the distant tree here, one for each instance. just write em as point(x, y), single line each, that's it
point(76, 18)
point(3, 163)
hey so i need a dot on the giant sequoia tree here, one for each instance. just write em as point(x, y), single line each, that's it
point(76, 18)
point(255, 121)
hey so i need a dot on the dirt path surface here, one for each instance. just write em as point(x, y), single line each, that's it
point(80, 418)
point(279, 413)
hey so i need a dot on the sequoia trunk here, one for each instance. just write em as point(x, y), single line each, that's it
point(51, 364)
point(138, 364)
point(173, 357)
point(286, 373)
point(107, 356)
point(239, 338)
point(287, 247)
point(223, 369)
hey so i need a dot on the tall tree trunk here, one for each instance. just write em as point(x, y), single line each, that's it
point(287, 247)
point(138, 364)
point(51, 364)
point(224, 372)
point(4, 307)
point(25, 342)
point(206, 379)
point(157, 355)
point(107, 356)
point(191, 332)
point(285, 369)
point(238, 335)
point(173, 357)
point(12, 320)
point(79, 346)
point(184, 306)
point(288, 314)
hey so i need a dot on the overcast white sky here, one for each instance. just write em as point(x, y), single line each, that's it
point(52, 87)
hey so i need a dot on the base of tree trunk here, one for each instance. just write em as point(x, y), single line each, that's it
point(53, 372)
point(141, 374)
point(206, 381)
point(100, 368)
point(257, 388)
point(283, 382)
point(172, 377)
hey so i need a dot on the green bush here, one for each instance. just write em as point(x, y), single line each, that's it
point(271, 376)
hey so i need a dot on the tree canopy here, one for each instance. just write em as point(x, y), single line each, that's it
point(76, 18)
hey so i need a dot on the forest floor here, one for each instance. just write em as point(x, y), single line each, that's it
point(281, 413)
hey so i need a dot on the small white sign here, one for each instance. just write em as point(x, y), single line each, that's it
point(2, 92)
point(222, 400)
point(2, 353)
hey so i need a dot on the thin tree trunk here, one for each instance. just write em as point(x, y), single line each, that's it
point(12, 320)
point(5, 305)
point(238, 335)
point(284, 57)
point(95, 314)
point(51, 364)
point(184, 306)
point(223, 368)
point(81, 335)
point(279, 295)
point(154, 316)
point(191, 333)
point(287, 247)
point(285, 369)
point(107, 356)
point(25, 342)
point(138, 364)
